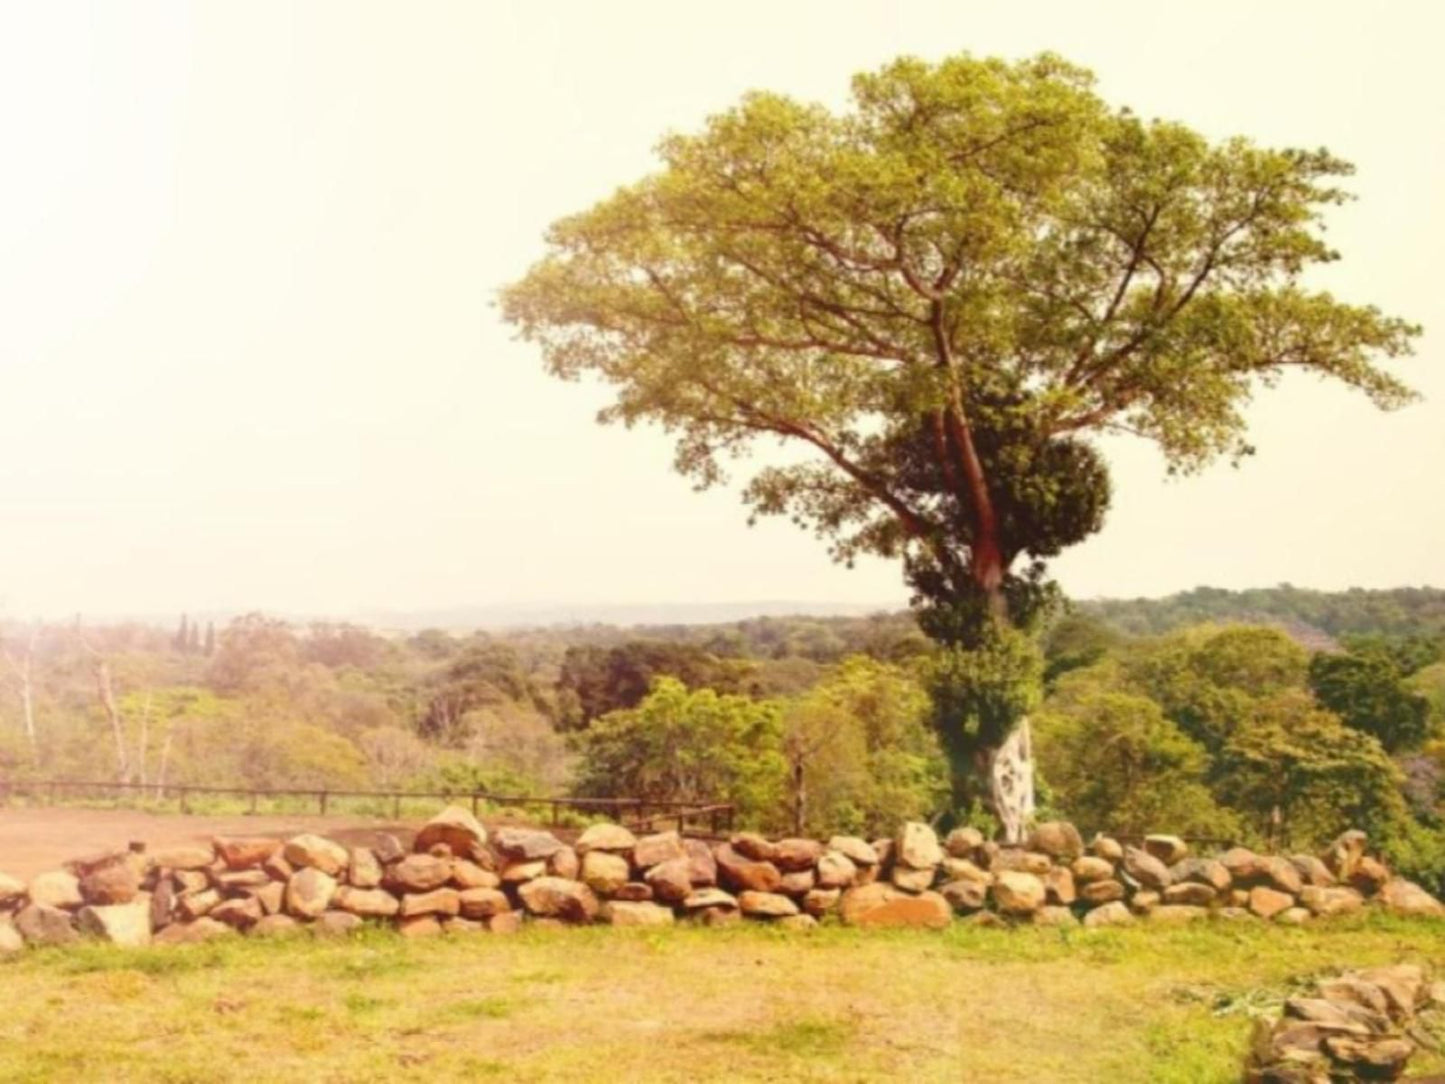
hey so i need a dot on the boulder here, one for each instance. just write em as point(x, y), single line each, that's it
point(56, 888)
point(238, 882)
point(505, 922)
point(163, 901)
point(458, 925)
point(482, 903)
point(606, 837)
point(457, 828)
point(1021, 861)
point(858, 851)
point(1312, 870)
point(1372, 1058)
point(1058, 839)
point(119, 923)
point(276, 926)
point(1059, 886)
point(418, 873)
point(367, 902)
point(11, 889)
point(10, 940)
point(1090, 868)
point(635, 892)
point(882, 905)
point(271, 896)
point(605, 871)
point(1110, 914)
point(766, 905)
point(670, 881)
point(1107, 848)
point(1018, 894)
point(744, 874)
point(1244, 865)
point(657, 848)
point(1174, 914)
point(193, 933)
point(797, 855)
point(1204, 871)
point(564, 864)
point(754, 847)
point(820, 901)
point(41, 924)
point(1190, 894)
point(962, 842)
point(192, 905)
point(1344, 854)
point(620, 913)
point(191, 880)
point(1267, 902)
point(196, 856)
point(1054, 916)
point(965, 896)
point(1407, 898)
point(707, 899)
point(470, 875)
point(419, 926)
point(554, 897)
point(245, 852)
point(309, 892)
point(277, 868)
point(701, 865)
point(240, 914)
point(1149, 871)
point(1293, 916)
point(310, 851)
point(1369, 876)
point(1145, 900)
point(363, 869)
point(797, 923)
point(522, 872)
point(1403, 985)
point(1170, 850)
point(1106, 891)
point(961, 869)
point(524, 844)
point(912, 880)
point(439, 901)
point(388, 849)
point(917, 847)
point(1279, 873)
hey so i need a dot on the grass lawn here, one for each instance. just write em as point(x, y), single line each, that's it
point(741, 1003)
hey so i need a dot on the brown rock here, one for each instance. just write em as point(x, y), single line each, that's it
point(419, 926)
point(193, 933)
point(1054, 916)
point(192, 905)
point(912, 880)
point(1243, 864)
point(606, 837)
point(1190, 894)
point(41, 924)
point(525, 844)
point(470, 875)
point(163, 901)
point(456, 925)
point(364, 871)
point(655, 849)
point(1344, 854)
point(455, 827)
point(962, 842)
point(1059, 886)
point(858, 851)
point(367, 902)
point(1268, 902)
point(634, 892)
point(482, 903)
point(240, 914)
point(1020, 861)
point(10, 940)
point(1107, 848)
point(277, 868)
point(1170, 850)
point(1145, 900)
point(717, 916)
point(1110, 914)
point(522, 872)
point(1312, 871)
point(753, 847)
point(766, 905)
point(1369, 877)
point(746, 875)
point(564, 864)
point(1096, 892)
point(56, 888)
point(605, 872)
point(418, 873)
point(1174, 914)
point(702, 866)
point(1375, 1058)
point(1146, 869)
point(275, 926)
point(1403, 986)
point(1279, 873)
point(917, 847)
point(1057, 839)
point(707, 899)
point(965, 896)
point(310, 851)
point(882, 905)
point(836, 870)
point(671, 881)
point(1407, 898)
point(1089, 868)
point(1018, 894)
point(336, 924)
point(439, 901)
point(240, 882)
point(271, 896)
point(121, 923)
point(1324, 901)
point(1204, 871)
point(309, 892)
point(620, 913)
point(184, 857)
point(797, 855)
point(506, 922)
point(820, 901)
point(110, 883)
point(1293, 916)
point(244, 852)
point(553, 897)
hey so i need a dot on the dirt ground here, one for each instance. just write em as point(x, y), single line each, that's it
point(35, 840)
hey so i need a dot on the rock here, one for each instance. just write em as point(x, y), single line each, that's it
point(961, 842)
point(553, 897)
point(457, 828)
point(309, 851)
point(701, 865)
point(708, 899)
point(334, 924)
point(1312, 871)
point(1243, 864)
point(1344, 854)
point(11, 889)
point(985, 920)
point(797, 855)
point(1144, 901)
point(276, 926)
point(192, 905)
point(524, 844)
point(656, 849)
point(482, 903)
point(244, 852)
point(1279, 873)
point(797, 923)
point(820, 901)
point(367, 902)
point(753, 847)
point(564, 864)
point(119, 923)
point(619, 913)
point(1096, 892)
point(1149, 871)
point(1346, 1015)
point(1107, 848)
point(1054, 916)
point(193, 933)
point(522, 872)
point(10, 940)
point(1110, 914)
point(470, 875)
point(858, 851)
point(1057, 839)
point(912, 880)
point(418, 873)
point(746, 875)
point(1293, 916)
point(766, 905)
point(1190, 894)
point(238, 882)
point(1020, 861)
point(419, 926)
point(57, 888)
point(917, 847)
point(41, 924)
point(604, 871)
point(388, 849)
point(456, 925)
point(1370, 876)
point(882, 905)
point(439, 901)
point(836, 870)
point(309, 892)
point(1017, 893)
point(277, 868)
point(191, 880)
point(884, 849)
point(961, 869)
point(163, 901)
point(606, 837)
point(634, 892)
point(240, 914)
point(1204, 871)
point(1403, 986)
point(670, 881)
point(271, 896)
point(1170, 850)
point(183, 857)
point(717, 916)
point(363, 869)
point(965, 896)
point(1268, 902)
point(1174, 914)
point(1407, 898)
point(1089, 868)
point(1059, 886)
point(504, 923)
point(1375, 1058)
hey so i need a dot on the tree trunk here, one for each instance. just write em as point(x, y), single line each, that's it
point(107, 701)
point(25, 686)
point(800, 798)
point(1011, 783)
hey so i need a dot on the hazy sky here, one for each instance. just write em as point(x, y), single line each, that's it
point(248, 252)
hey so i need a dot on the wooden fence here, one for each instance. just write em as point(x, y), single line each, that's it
point(646, 814)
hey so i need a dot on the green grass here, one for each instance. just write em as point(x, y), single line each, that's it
point(749, 1003)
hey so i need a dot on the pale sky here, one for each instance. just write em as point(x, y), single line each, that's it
point(248, 253)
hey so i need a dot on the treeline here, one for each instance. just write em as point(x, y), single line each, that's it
point(1217, 728)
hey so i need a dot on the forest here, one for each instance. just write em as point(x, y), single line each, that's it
point(1277, 716)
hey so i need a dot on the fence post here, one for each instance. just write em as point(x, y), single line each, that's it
point(476, 795)
point(396, 807)
point(185, 799)
point(556, 814)
point(322, 796)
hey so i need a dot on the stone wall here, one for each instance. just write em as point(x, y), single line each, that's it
point(457, 878)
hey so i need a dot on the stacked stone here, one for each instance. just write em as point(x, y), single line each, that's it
point(1357, 1026)
point(457, 878)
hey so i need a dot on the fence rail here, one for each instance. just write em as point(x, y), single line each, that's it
point(645, 813)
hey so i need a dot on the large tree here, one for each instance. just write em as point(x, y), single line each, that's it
point(943, 295)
